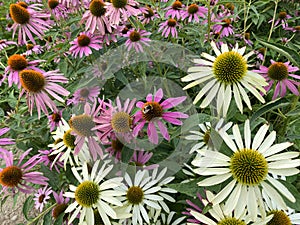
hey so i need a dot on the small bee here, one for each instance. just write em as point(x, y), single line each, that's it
point(147, 108)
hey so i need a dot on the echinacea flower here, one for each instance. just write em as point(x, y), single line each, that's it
point(282, 19)
point(140, 159)
point(153, 111)
point(5, 141)
point(218, 216)
point(58, 10)
point(141, 193)
point(62, 205)
point(224, 27)
point(203, 136)
point(39, 85)
point(16, 63)
point(226, 73)
point(159, 218)
point(149, 14)
point(28, 20)
point(169, 27)
point(96, 18)
point(4, 43)
point(115, 120)
point(136, 38)
point(279, 74)
point(84, 95)
point(33, 49)
point(94, 192)
point(175, 10)
point(83, 129)
point(83, 44)
point(248, 170)
point(193, 12)
point(55, 119)
point(195, 208)
point(120, 10)
point(41, 197)
point(47, 158)
point(18, 176)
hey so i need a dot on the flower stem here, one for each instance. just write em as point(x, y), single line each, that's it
point(42, 214)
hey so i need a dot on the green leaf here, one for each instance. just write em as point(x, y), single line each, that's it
point(28, 204)
point(126, 154)
point(278, 103)
point(289, 53)
point(47, 218)
point(59, 220)
point(295, 193)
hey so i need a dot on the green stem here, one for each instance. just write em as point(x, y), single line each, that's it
point(208, 20)
point(40, 215)
point(272, 27)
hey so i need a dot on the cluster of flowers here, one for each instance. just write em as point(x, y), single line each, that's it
point(91, 142)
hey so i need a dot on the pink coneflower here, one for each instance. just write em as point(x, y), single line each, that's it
point(282, 19)
point(48, 159)
point(55, 119)
point(121, 10)
point(17, 63)
point(224, 27)
point(96, 18)
point(5, 43)
point(169, 27)
point(62, 205)
point(115, 148)
point(33, 49)
point(83, 43)
point(39, 85)
point(28, 21)
point(5, 141)
point(58, 10)
point(153, 111)
point(260, 53)
point(193, 207)
point(41, 197)
point(149, 14)
point(136, 38)
point(19, 176)
point(140, 158)
point(278, 73)
point(175, 10)
point(83, 95)
point(193, 12)
point(83, 129)
point(115, 120)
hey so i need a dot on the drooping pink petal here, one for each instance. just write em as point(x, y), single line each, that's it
point(171, 102)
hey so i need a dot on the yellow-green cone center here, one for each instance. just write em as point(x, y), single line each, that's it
point(278, 71)
point(32, 81)
point(52, 4)
point(121, 122)
point(83, 40)
point(192, 9)
point(229, 67)
point(119, 3)
point(231, 221)
point(206, 137)
point(69, 139)
point(82, 125)
point(134, 36)
point(135, 195)
point(248, 166)
point(151, 110)
point(11, 176)
point(279, 218)
point(19, 14)
point(87, 193)
point(17, 62)
point(97, 8)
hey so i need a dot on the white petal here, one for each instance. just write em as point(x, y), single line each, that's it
point(284, 172)
point(227, 139)
point(199, 81)
point(208, 56)
point(233, 199)
point(253, 91)
point(242, 50)
point(252, 204)
point(237, 136)
point(195, 76)
point(214, 155)
point(283, 164)
point(244, 96)
point(220, 98)
point(224, 48)
point(259, 137)
point(214, 46)
point(214, 180)
point(203, 62)
point(277, 148)
point(281, 188)
point(211, 171)
point(240, 208)
point(273, 194)
point(203, 218)
point(90, 216)
point(227, 99)
point(76, 174)
point(210, 96)
point(247, 134)
point(199, 69)
point(237, 98)
point(281, 156)
point(267, 142)
point(71, 207)
point(224, 192)
point(204, 90)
